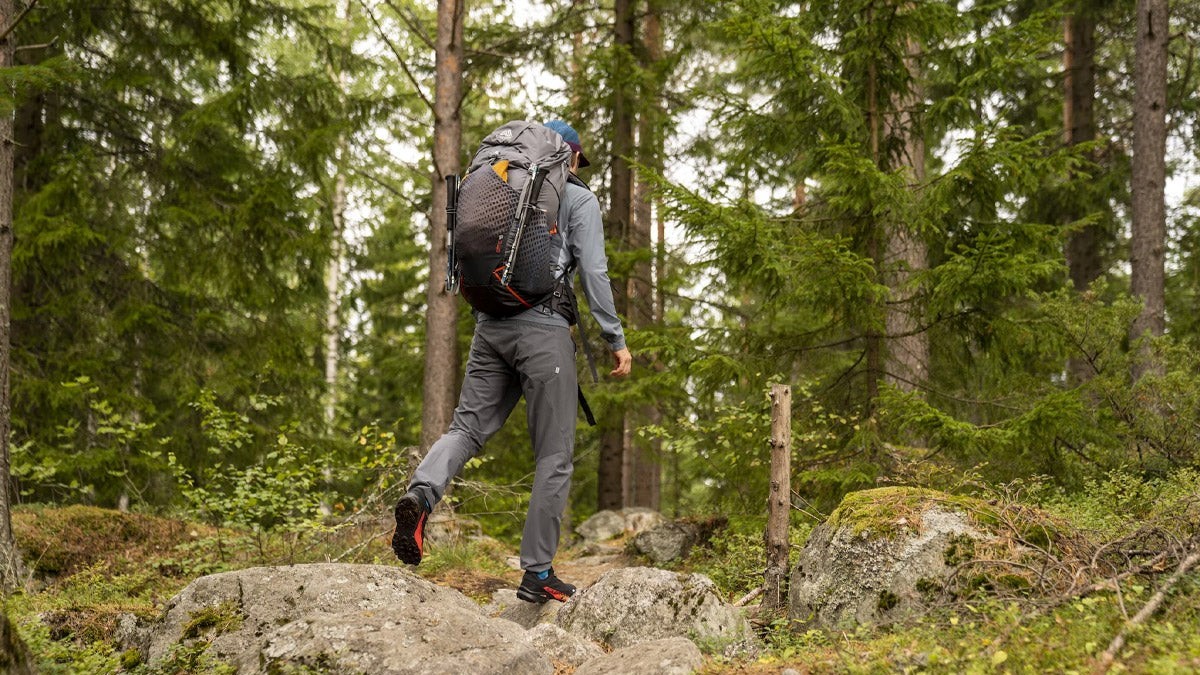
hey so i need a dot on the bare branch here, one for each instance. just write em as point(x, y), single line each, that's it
point(1151, 606)
point(17, 21)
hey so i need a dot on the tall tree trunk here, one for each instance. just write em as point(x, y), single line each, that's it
point(333, 271)
point(611, 477)
point(1079, 126)
point(1083, 252)
point(333, 291)
point(1149, 166)
point(874, 341)
point(908, 348)
point(646, 468)
point(10, 563)
point(441, 318)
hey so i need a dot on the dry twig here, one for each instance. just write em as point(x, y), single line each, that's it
point(1151, 606)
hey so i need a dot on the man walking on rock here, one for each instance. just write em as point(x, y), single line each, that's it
point(530, 354)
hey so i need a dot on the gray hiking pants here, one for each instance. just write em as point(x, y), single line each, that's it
point(510, 359)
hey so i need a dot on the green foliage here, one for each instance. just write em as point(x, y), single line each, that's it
point(65, 658)
point(1069, 431)
point(1120, 502)
point(282, 489)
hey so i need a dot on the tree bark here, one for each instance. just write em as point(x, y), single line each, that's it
point(333, 271)
point(907, 255)
point(10, 562)
point(646, 468)
point(333, 294)
point(1149, 167)
point(1079, 126)
point(1083, 250)
point(874, 341)
point(611, 480)
point(441, 318)
point(779, 500)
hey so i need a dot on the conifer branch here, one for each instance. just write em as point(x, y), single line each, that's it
point(17, 21)
point(413, 26)
point(399, 58)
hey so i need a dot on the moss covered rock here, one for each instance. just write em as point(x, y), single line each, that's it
point(885, 553)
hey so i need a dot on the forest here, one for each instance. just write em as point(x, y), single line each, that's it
point(966, 235)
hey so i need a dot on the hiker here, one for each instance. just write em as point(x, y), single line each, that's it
point(529, 354)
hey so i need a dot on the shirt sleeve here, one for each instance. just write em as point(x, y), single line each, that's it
point(586, 239)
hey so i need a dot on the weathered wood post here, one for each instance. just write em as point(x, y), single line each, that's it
point(779, 500)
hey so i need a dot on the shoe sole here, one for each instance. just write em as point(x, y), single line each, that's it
point(409, 518)
point(541, 597)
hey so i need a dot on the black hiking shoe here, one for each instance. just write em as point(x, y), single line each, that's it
point(537, 590)
point(409, 536)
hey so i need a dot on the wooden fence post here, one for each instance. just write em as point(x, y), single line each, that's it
point(779, 501)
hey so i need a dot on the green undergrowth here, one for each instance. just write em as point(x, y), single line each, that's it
point(734, 556)
point(1118, 520)
point(995, 638)
point(94, 565)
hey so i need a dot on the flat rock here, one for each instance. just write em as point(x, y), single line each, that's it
point(398, 641)
point(341, 618)
point(639, 604)
point(506, 605)
point(562, 647)
point(669, 656)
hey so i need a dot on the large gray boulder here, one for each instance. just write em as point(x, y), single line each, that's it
point(882, 554)
point(670, 656)
point(638, 604)
point(667, 542)
point(341, 619)
point(601, 526)
point(605, 525)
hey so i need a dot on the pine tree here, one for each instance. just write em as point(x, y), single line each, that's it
point(1149, 166)
point(10, 562)
point(441, 353)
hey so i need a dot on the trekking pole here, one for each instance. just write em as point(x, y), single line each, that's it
point(526, 206)
point(451, 223)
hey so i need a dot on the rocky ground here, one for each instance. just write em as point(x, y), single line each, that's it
point(354, 618)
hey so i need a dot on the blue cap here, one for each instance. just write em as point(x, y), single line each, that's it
point(571, 137)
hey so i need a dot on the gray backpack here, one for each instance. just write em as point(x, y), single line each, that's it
point(505, 240)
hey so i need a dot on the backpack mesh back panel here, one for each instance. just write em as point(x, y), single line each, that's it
point(487, 206)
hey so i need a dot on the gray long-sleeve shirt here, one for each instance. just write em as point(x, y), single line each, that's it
point(583, 231)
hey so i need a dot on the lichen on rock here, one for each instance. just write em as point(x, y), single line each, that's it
point(887, 553)
point(639, 604)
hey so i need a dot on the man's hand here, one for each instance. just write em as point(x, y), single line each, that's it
point(624, 362)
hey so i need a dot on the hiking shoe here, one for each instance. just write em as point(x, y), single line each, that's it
point(409, 537)
point(536, 589)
